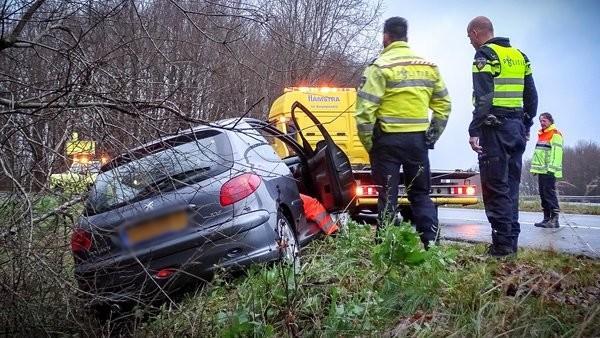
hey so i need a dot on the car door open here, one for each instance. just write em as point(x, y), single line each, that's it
point(328, 166)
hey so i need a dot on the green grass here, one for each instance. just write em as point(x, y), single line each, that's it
point(347, 286)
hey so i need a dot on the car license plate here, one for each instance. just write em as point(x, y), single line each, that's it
point(157, 227)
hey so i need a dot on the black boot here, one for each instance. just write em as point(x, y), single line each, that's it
point(500, 250)
point(553, 221)
point(542, 224)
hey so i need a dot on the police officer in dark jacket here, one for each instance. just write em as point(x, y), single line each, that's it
point(505, 101)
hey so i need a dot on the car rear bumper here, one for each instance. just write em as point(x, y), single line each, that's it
point(249, 238)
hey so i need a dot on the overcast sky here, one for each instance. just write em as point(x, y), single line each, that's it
point(561, 38)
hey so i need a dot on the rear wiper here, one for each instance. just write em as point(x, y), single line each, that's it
point(172, 181)
point(190, 175)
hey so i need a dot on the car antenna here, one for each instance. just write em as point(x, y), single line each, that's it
point(248, 111)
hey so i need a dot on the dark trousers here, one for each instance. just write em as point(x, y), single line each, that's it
point(547, 188)
point(390, 152)
point(500, 167)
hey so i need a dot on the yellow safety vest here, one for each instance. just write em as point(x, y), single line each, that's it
point(509, 76)
point(548, 154)
point(398, 90)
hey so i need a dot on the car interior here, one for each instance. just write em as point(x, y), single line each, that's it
point(323, 172)
point(296, 160)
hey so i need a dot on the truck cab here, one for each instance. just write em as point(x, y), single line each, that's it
point(334, 107)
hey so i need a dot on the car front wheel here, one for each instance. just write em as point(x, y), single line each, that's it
point(286, 241)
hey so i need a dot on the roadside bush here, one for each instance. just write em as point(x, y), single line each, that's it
point(37, 288)
point(343, 288)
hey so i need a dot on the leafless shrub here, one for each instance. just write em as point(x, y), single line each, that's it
point(121, 73)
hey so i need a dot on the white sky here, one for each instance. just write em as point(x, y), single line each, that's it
point(561, 38)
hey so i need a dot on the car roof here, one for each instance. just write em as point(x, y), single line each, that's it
point(235, 124)
point(225, 124)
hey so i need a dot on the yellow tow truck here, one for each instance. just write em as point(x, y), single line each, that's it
point(83, 169)
point(335, 107)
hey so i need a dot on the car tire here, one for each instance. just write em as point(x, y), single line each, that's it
point(289, 250)
point(106, 312)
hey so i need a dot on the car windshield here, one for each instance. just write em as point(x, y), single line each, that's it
point(178, 162)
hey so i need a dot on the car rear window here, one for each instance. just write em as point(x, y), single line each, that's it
point(164, 166)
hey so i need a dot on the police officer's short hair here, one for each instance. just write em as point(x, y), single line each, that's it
point(481, 23)
point(548, 117)
point(396, 27)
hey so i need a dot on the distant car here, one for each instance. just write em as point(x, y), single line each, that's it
point(174, 210)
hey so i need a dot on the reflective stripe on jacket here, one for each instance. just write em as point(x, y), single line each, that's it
point(498, 84)
point(315, 212)
point(511, 68)
point(548, 153)
point(398, 90)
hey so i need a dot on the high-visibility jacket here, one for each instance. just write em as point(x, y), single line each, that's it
point(397, 91)
point(502, 84)
point(548, 153)
point(511, 68)
point(315, 212)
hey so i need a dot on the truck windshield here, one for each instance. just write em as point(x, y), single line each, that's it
point(176, 164)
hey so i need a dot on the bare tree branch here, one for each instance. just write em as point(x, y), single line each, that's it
point(11, 39)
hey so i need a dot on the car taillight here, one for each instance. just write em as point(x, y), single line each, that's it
point(81, 241)
point(165, 273)
point(239, 188)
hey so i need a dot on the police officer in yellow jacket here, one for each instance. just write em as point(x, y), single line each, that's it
point(505, 101)
point(393, 123)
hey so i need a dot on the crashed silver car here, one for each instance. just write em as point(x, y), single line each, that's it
point(172, 211)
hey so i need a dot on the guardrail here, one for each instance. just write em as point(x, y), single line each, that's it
point(576, 199)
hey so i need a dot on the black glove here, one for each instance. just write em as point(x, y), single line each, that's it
point(433, 133)
point(430, 138)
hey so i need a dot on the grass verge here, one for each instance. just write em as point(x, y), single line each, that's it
point(347, 286)
point(565, 207)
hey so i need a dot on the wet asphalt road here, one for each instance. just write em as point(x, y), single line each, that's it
point(578, 234)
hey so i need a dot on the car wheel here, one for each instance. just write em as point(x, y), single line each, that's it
point(286, 241)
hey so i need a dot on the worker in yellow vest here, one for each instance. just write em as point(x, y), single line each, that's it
point(547, 164)
point(392, 115)
point(505, 101)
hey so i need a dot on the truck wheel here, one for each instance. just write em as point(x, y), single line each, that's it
point(354, 215)
point(406, 214)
